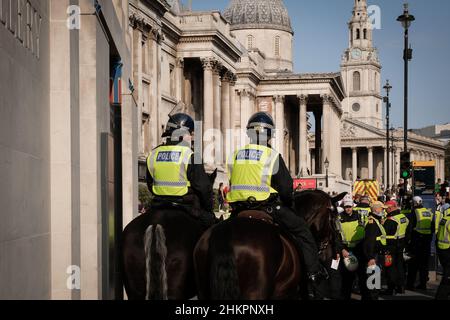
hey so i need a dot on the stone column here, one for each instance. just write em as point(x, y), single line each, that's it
point(245, 110)
point(179, 86)
point(208, 111)
point(355, 163)
point(217, 118)
point(234, 113)
point(436, 159)
point(225, 114)
point(303, 134)
point(318, 142)
point(370, 161)
point(279, 125)
point(326, 130)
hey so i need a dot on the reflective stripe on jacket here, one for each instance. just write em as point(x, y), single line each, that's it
point(168, 167)
point(250, 173)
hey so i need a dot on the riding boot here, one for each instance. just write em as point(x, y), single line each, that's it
point(207, 219)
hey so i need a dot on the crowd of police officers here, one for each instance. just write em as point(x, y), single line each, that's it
point(371, 234)
point(399, 239)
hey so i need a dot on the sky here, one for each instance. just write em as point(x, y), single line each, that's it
point(321, 36)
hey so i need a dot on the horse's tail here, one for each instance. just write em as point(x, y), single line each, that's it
point(155, 263)
point(223, 276)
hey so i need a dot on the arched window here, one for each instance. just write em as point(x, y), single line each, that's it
point(365, 34)
point(358, 34)
point(250, 41)
point(356, 81)
point(277, 46)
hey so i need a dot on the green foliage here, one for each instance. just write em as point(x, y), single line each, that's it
point(144, 195)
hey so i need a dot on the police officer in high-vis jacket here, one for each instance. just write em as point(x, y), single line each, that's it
point(363, 208)
point(374, 244)
point(174, 178)
point(352, 229)
point(259, 179)
point(396, 226)
point(421, 220)
point(443, 251)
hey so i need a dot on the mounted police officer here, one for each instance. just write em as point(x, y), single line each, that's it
point(174, 178)
point(396, 226)
point(421, 220)
point(259, 179)
point(443, 251)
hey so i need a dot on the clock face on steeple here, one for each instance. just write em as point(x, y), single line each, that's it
point(356, 54)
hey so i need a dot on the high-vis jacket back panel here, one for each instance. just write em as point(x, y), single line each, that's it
point(363, 212)
point(168, 168)
point(352, 232)
point(443, 235)
point(402, 226)
point(250, 173)
point(424, 219)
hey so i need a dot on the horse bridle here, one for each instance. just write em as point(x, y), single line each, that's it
point(325, 243)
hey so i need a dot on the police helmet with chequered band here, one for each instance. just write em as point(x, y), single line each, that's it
point(179, 124)
point(261, 123)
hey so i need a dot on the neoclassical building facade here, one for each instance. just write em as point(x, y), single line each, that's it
point(223, 67)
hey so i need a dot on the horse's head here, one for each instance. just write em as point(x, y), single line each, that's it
point(319, 211)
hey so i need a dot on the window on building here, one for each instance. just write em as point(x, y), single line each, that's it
point(358, 34)
point(277, 46)
point(356, 81)
point(356, 107)
point(365, 34)
point(378, 108)
point(250, 41)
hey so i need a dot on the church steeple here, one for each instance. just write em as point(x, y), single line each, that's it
point(361, 70)
point(360, 26)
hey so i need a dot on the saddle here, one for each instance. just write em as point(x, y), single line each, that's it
point(174, 203)
point(257, 215)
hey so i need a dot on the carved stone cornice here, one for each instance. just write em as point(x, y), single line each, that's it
point(180, 63)
point(217, 68)
point(327, 99)
point(157, 35)
point(279, 99)
point(303, 99)
point(247, 93)
point(208, 63)
point(233, 80)
point(330, 100)
point(228, 76)
point(139, 22)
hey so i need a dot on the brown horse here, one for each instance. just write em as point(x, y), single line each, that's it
point(251, 259)
point(157, 254)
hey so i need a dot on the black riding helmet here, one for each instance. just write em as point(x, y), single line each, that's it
point(179, 124)
point(261, 123)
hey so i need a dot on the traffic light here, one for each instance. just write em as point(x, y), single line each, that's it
point(405, 165)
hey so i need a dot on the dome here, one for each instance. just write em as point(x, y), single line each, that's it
point(258, 14)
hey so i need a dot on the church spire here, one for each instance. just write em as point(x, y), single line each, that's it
point(360, 26)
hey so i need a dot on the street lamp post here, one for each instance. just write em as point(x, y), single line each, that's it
point(327, 165)
point(406, 19)
point(388, 88)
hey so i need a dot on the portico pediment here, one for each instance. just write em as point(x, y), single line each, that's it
point(354, 129)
